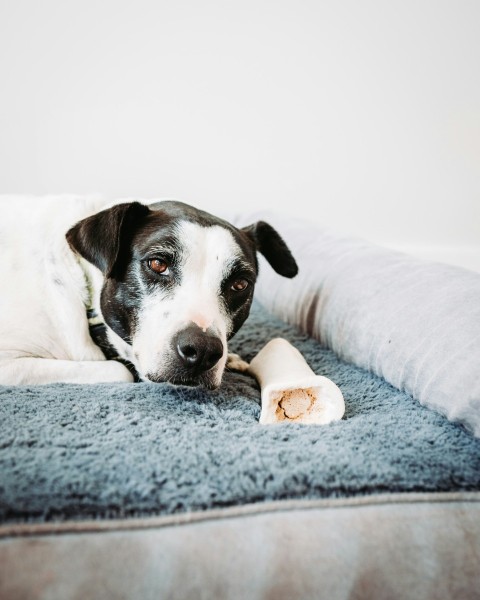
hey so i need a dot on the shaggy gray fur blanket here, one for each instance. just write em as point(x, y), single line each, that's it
point(78, 451)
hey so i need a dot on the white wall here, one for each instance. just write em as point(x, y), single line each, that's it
point(363, 115)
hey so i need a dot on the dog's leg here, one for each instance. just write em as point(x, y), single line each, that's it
point(236, 363)
point(33, 371)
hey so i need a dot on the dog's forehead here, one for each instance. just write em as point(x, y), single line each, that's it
point(211, 249)
point(183, 228)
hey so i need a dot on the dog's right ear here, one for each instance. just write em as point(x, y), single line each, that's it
point(268, 242)
point(104, 237)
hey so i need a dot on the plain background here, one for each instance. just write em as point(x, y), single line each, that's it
point(361, 116)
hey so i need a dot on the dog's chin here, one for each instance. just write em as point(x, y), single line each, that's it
point(208, 385)
point(207, 380)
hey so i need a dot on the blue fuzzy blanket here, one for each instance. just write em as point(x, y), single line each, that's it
point(77, 451)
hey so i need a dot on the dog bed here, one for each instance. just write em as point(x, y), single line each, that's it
point(148, 491)
point(72, 451)
point(113, 460)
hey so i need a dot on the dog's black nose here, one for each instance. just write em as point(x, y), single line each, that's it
point(198, 350)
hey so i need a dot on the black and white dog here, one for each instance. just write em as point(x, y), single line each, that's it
point(170, 283)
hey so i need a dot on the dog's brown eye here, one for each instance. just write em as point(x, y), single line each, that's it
point(158, 266)
point(239, 285)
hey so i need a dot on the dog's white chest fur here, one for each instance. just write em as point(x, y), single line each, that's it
point(42, 302)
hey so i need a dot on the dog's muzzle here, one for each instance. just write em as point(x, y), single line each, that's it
point(191, 361)
point(197, 350)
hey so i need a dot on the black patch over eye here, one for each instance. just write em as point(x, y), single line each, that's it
point(239, 285)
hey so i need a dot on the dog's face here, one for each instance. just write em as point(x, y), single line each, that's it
point(178, 283)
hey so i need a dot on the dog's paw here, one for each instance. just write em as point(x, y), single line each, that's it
point(236, 363)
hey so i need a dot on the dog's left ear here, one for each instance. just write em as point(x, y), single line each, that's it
point(269, 243)
point(104, 238)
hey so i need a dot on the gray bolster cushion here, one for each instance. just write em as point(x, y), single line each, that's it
point(415, 323)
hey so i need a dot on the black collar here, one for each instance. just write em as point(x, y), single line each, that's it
point(98, 333)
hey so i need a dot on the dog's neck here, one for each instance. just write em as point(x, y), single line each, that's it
point(112, 345)
point(92, 290)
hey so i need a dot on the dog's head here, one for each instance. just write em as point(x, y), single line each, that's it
point(178, 283)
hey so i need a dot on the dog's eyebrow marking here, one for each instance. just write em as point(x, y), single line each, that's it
point(237, 264)
point(162, 249)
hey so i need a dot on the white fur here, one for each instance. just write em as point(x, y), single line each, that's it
point(44, 334)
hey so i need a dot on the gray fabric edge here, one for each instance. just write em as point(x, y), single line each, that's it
point(232, 512)
point(420, 546)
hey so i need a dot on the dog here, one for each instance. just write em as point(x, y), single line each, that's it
point(168, 283)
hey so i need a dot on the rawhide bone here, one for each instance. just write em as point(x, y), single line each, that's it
point(290, 390)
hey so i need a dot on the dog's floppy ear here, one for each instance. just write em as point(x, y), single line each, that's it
point(269, 243)
point(101, 238)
